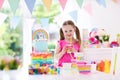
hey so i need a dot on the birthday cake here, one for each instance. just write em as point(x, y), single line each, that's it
point(41, 58)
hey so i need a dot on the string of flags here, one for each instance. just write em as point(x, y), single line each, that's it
point(47, 3)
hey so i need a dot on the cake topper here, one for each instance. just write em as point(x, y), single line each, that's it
point(39, 40)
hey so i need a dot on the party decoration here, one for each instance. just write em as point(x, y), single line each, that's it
point(74, 14)
point(30, 4)
point(63, 3)
point(114, 44)
point(88, 8)
point(44, 22)
point(47, 4)
point(80, 3)
point(101, 2)
point(40, 38)
point(1, 3)
point(2, 17)
point(14, 6)
point(115, 1)
point(14, 22)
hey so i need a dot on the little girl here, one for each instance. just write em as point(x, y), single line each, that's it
point(68, 42)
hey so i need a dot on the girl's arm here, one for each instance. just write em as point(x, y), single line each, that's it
point(60, 53)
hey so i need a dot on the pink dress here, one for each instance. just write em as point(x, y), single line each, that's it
point(66, 58)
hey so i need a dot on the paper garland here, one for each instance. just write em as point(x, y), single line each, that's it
point(14, 22)
point(101, 2)
point(80, 2)
point(44, 22)
point(74, 15)
point(30, 4)
point(14, 5)
point(1, 3)
point(47, 4)
point(63, 3)
point(88, 8)
point(2, 17)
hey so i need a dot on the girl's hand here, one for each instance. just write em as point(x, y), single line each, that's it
point(73, 49)
point(64, 50)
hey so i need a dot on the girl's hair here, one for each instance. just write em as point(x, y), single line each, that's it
point(77, 32)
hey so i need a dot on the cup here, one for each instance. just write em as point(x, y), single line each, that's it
point(69, 48)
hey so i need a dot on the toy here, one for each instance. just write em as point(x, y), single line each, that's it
point(114, 44)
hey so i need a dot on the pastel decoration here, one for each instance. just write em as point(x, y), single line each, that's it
point(63, 3)
point(101, 2)
point(30, 4)
point(40, 38)
point(80, 3)
point(88, 8)
point(14, 22)
point(14, 6)
point(41, 46)
point(44, 22)
point(2, 17)
point(74, 15)
point(115, 1)
point(40, 34)
point(1, 3)
point(47, 4)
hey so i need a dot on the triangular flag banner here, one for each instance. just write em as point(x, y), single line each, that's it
point(2, 17)
point(88, 8)
point(13, 5)
point(1, 3)
point(44, 22)
point(30, 4)
point(101, 2)
point(74, 15)
point(116, 1)
point(80, 3)
point(63, 3)
point(47, 4)
point(14, 22)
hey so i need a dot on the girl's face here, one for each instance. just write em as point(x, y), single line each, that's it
point(68, 31)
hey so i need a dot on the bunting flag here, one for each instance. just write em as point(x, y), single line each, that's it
point(74, 15)
point(101, 2)
point(115, 1)
point(2, 18)
point(63, 3)
point(1, 3)
point(14, 22)
point(13, 5)
point(88, 8)
point(80, 3)
point(44, 22)
point(30, 4)
point(47, 4)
